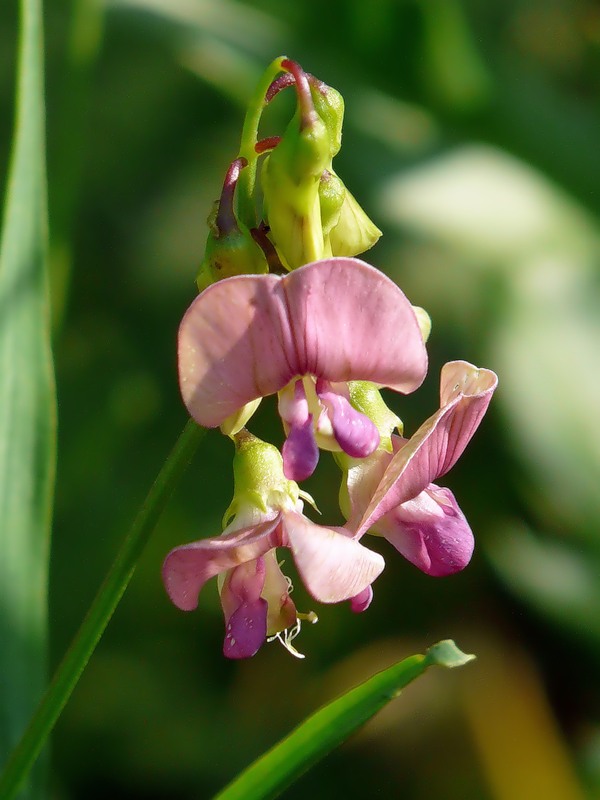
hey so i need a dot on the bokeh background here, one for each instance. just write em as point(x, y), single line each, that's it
point(471, 138)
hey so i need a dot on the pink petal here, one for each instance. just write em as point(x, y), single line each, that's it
point(431, 532)
point(246, 631)
point(187, 568)
point(465, 392)
point(350, 320)
point(333, 566)
point(355, 433)
point(300, 452)
point(362, 601)
point(338, 319)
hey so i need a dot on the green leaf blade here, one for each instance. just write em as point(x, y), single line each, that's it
point(328, 727)
point(27, 401)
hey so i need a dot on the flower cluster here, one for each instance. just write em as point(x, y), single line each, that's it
point(287, 309)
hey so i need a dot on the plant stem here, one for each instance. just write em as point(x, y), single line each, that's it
point(247, 179)
point(101, 610)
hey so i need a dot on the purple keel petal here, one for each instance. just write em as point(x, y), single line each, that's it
point(246, 630)
point(300, 452)
point(466, 392)
point(431, 532)
point(187, 568)
point(355, 433)
point(333, 566)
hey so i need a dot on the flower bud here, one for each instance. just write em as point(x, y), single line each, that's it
point(230, 248)
point(291, 176)
point(354, 232)
point(329, 105)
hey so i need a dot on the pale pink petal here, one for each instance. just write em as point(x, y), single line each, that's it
point(430, 531)
point(351, 322)
point(466, 392)
point(232, 347)
point(333, 566)
point(187, 568)
point(338, 319)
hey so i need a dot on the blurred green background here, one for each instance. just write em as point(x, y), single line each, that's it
point(471, 138)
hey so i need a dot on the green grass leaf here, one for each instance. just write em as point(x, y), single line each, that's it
point(331, 725)
point(27, 403)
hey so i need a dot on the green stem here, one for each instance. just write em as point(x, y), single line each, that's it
point(247, 179)
point(101, 610)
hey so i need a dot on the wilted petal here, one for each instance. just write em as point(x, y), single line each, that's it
point(333, 565)
point(187, 568)
point(338, 319)
point(437, 445)
point(430, 531)
point(282, 611)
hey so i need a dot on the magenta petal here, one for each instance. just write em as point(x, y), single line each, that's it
point(333, 565)
point(362, 601)
point(338, 319)
point(187, 568)
point(466, 392)
point(246, 630)
point(300, 452)
point(431, 532)
point(355, 433)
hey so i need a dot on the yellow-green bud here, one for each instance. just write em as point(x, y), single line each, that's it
point(354, 232)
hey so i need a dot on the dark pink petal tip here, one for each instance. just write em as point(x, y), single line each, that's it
point(246, 630)
point(361, 601)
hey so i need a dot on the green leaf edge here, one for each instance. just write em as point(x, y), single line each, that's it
point(328, 727)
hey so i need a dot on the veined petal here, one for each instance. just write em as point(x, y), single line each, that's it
point(350, 320)
point(437, 445)
point(430, 531)
point(333, 565)
point(338, 319)
point(187, 568)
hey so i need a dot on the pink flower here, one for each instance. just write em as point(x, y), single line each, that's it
point(304, 335)
point(394, 495)
point(267, 510)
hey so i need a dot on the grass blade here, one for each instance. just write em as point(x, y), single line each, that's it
point(27, 402)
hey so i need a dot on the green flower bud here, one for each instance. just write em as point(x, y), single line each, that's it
point(329, 105)
point(291, 177)
point(354, 232)
point(230, 248)
point(332, 193)
point(259, 482)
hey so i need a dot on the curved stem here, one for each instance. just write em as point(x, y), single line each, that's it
point(101, 610)
point(245, 187)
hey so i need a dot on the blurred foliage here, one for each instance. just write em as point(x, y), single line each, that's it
point(472, 139)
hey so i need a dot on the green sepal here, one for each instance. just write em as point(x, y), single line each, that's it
point(329, 105)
